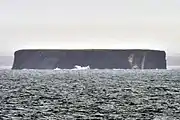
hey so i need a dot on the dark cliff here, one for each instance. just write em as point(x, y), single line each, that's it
point(95, 58)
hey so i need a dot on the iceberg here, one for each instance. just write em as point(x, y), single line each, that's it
point(77, 67)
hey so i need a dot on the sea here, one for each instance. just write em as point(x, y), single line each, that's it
point(99, 94)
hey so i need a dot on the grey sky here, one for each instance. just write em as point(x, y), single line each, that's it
point(89, 24)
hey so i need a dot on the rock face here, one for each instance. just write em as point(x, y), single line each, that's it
point(94, 58)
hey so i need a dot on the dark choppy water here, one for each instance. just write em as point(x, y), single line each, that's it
point(90, 94)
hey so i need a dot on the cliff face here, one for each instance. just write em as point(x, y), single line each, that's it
point(101, 59)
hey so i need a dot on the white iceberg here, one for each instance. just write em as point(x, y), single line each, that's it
point(57, 68)
point(77, 67)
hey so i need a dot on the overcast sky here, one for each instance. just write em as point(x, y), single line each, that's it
point(153, 24)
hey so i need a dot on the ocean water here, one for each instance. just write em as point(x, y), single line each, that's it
point(89, 94)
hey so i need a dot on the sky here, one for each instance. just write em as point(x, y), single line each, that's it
point(89, 24)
